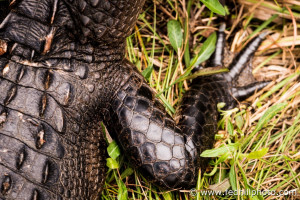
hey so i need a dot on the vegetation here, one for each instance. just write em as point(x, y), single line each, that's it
point(257, 146)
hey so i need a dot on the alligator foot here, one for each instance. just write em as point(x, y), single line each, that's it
point(238, 64)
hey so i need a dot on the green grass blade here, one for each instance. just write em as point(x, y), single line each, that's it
point(267, 116)
point(232, 178)
point(263, 26)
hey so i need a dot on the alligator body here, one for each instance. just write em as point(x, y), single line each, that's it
point(64, 71)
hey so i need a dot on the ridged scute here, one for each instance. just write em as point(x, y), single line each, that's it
point(106, 21)
point(47, 133)
point(26, 31)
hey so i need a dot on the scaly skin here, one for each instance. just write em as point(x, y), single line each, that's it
point(64, 72)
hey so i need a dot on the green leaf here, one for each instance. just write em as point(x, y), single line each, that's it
point(223, 158)
point(122, 191)
point(215, 6)
point(221, 105)
point(167, 196)
point(206, 50)
point(204, 72)
point(113, 150)
point(239, 121)
point(127, 172)
point(175, 34)
point(229, 127)
point(258, 154)
point(111, 163)
point(232, 178)
point(220, 151)
point(147, 72)
point(221, 186)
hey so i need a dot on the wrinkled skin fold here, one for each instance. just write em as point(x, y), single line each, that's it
point(64, 71)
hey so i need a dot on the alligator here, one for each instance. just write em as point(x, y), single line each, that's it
point(63, 71)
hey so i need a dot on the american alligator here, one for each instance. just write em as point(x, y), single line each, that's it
point(64, 71)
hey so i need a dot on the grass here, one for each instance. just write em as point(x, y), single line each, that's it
point(257, 146)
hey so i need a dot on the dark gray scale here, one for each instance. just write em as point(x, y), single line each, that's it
point(38, 104)
point(42, 79)
point(82, 71)
point(6, 93)
point(35, 195)
point(22, 159)
point(30, 31)
point(96, 16)
point(148, 151)
point(154, 132)
point(58, 88)
point(26, 100)
point(34, 133)
point(28, 76)
point(39, 10)
point(3, 115)
point(64, 93)
point(38, 78)
point(12, 71)
point(15, 186)
point(10, 94)
point(15, 156)
point(147, 134)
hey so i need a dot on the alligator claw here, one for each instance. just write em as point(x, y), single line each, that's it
point(217, 57)
point(241, 93)
point(243, 57)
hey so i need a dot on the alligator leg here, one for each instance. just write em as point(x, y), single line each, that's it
point(53, 93)
point(168, 151)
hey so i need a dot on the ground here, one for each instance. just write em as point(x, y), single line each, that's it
point(257, 146)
